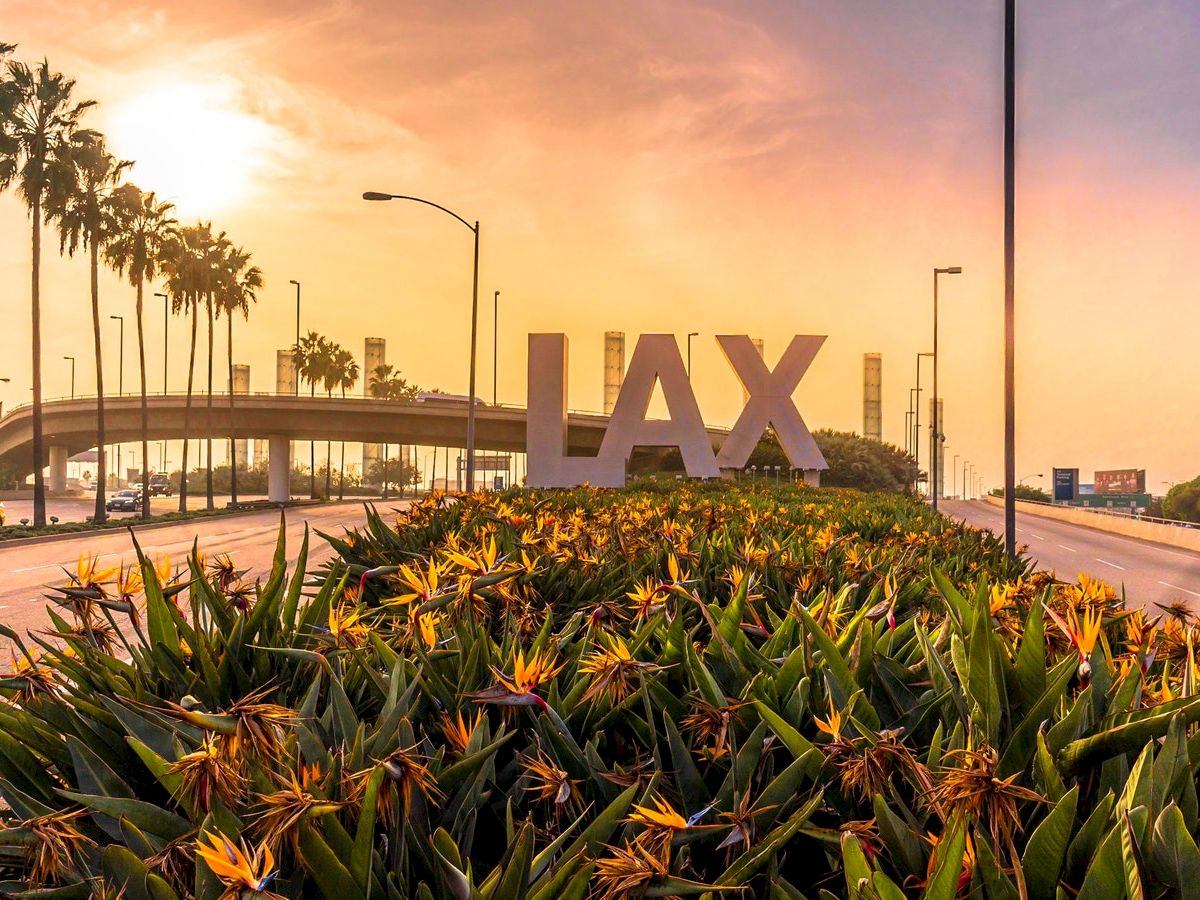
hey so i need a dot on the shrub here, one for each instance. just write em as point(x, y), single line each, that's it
point(775, 692)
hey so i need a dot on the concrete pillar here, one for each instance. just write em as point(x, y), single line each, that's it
point(286, 383)
point(872, 396)
point(812, 477)
point(279, 469)
point(241, 385)
point(614, 368)
point(374, 356)
point(58, 469)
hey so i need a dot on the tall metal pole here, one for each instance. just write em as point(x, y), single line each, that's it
point(296, 346)
point(935, 427)
point(471, 399)
point(495, 343)
point(691, 335)
point(954, 475)
point(72, 359)
point(1010, 427)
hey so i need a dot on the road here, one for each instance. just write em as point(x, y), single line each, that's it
point(78, 509)
point(249, 539)
point(1150, 573)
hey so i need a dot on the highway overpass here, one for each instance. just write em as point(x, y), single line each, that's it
point(69, 426)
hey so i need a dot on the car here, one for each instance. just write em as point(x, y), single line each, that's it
point(160, 484)
point(124, 501)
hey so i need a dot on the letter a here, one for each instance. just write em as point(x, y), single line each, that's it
point(770, 402)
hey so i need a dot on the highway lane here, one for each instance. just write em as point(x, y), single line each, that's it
point(25, 571)
point(1150, 573)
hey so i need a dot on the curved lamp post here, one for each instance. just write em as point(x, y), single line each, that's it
point(376, 195)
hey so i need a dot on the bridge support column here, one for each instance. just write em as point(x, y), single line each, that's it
point(278, 468)
point(812, 477)
point(58, 470)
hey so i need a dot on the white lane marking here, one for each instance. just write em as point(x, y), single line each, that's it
point(35, 568)
point(1068, 549)
point(1038, 536)
point(1107, 563)
point(1176, 587)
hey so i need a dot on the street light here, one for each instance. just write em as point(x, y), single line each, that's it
point(1034, 475)
point(917, 422)
point(954, 476)
point(495, 343)
point(5, 381)
point(691, 334)
point(376, 195)
point(72, 361)
point(1010, 171)
point(966, 485)
point(120, 383)
point(914, 397)
point(935, 427)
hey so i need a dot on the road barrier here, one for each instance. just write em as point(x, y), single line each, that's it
point(1158, 531)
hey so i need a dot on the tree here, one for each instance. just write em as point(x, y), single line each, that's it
point(142, 233)
point(1183, 501)
point(240, 283)
point(80, 182)
point(312, 359)
point(1025, 492)
point(40, 119)
point(345, 367)
point(182, 266)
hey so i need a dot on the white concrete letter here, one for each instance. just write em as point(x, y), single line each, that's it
point(770, 402)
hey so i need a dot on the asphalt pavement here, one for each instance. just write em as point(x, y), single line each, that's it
point(1149, 573)
point(249, 538)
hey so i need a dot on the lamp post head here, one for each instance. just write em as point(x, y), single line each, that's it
point(118, 318)
point(693, 334)
point(376, 195)
point(949, 270)
point(293, 281)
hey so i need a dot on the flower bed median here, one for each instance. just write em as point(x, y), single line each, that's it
point(766, 692)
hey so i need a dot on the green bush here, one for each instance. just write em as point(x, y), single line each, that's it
point(769, 692)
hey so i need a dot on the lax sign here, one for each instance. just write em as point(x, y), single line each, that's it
point(656, 359)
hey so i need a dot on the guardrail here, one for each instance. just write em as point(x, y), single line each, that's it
point(1103, 511)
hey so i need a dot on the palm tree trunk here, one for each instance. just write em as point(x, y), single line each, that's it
point(100, 514)
point(342, 467)
point(39, 483)
point(208, 428)
point(232, 443)
point(187, 408)
point(145, 411)
point(328, 461)
point(312, 458)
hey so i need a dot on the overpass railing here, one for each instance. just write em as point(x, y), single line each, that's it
point(1115, 513)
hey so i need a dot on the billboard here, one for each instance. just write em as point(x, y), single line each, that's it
point(1066, 485)
point(1121, 481)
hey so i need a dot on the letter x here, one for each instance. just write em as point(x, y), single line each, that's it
point(770, 401)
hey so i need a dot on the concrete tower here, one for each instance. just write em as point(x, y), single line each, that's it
point(758, 345)
point(872, 396)
point(286, 383)
point(241, 385)
point(614, 368)
point(374, 356)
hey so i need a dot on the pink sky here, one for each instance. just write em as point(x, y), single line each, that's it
point(768, 169)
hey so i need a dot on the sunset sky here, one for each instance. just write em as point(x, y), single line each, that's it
point(761, 168)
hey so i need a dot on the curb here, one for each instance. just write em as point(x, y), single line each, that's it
point(154, 526)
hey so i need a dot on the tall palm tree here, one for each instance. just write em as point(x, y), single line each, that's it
point(142, 230)
point(40, 119)
point(81, 180)
point(240, 283)
point(312, 358)
point(182, 265)
point(211, 268)
point(346, 368)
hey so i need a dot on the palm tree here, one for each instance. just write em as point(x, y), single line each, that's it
point(182, 266)
point(240, 283)
point(81, 181)
point(346, 367)
point(211, 265)
point(312, 359)
point(142, 231)
point(40, 119)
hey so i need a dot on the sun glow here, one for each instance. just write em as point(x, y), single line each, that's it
point(192, 144)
